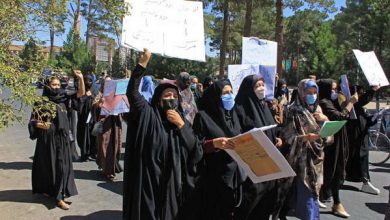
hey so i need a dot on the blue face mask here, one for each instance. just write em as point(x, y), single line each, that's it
point(193, 87)
point(311, 99)
point(228, 101)
point(334, 96)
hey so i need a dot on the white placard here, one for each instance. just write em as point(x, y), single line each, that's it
point(259, 51)
point(172, 28)
point(255, 153)
point(371, 67)
point(237, 73)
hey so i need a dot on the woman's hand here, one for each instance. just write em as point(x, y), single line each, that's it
point(320, 117)
point(278, 143)
point(145, 57)
point(354, 98)
point(311, 137)
point(175, 118)
point(78, 74)
point(223, 143)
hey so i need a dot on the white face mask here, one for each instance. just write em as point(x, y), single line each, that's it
point(260, 93)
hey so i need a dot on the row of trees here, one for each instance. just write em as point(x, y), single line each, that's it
point(320, 44)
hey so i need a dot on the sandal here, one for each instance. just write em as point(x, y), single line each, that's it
point(62, 205)
point(111, 177)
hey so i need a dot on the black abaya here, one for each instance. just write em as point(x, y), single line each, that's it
point(85, 139)
point(221, 179)
point(357, 165)
point(160, 159)
point(336, 155)
point(52, 170)
point(254, 113)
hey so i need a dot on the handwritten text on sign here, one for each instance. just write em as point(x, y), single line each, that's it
point(172, 28)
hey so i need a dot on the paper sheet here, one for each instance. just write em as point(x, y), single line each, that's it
point(371, 67)
point(115, 99)
point(330, 128)
point(237, 73)
point(172, 28)
point(259, 51)
point(260, 159)
point(121, 87)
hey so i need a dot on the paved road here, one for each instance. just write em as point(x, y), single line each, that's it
point(99, 199)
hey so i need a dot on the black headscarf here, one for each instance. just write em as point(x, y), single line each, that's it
point(279, 90)
point(252, 112)
point(211, 100)
point(157, 97)
point(207, 82)
point(55, 95)
point(325, 88)
point(60, 98)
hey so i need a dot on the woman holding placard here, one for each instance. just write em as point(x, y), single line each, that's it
point(221, 179)
point(336, 155)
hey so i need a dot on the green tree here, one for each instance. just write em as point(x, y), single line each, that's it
point(323, 56)
point(31, 54)
point(75, 56)
point(16, 91)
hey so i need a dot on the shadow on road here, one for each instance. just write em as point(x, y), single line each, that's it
point(382, 165)
point(15, 165)
point(380, 170)
point(89, 175)
point(26, 196)
point(377, 207)
point(115, 187)
point(350, 188)
point(100, 215)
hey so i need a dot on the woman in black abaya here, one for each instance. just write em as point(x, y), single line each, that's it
point(52, 171)
point(85, 139)
point(253, 112)
point(357, 165)
point(161, 153)
point(222, 178)
point(336, 155)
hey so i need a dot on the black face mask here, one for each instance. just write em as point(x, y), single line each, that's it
point(170, 104)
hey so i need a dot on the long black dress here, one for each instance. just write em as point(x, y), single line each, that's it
point(258, 199)
point(52, 170)
point(85, 139)
point(160, 159)
point(357, 165)
point(336, 155)
point(221, 179)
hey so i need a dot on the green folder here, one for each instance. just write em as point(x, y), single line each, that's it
point(330, 128)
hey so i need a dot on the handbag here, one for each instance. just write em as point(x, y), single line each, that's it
point(97, 128)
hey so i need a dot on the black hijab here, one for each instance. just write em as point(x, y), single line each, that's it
point(55, 95)
point(252, 112)
point(325, 88)
point(279, 90)
point(213, 107)
point(207, 82)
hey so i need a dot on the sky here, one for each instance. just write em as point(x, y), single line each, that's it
point(44, 35)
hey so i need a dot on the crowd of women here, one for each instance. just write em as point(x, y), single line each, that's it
point(175, 164)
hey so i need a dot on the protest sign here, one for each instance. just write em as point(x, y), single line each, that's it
point(115, 99)
point(259, 51)
point(371, 67)
point(259, 157)
point(345, 90)
point(237, 73)
point(171, 28)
